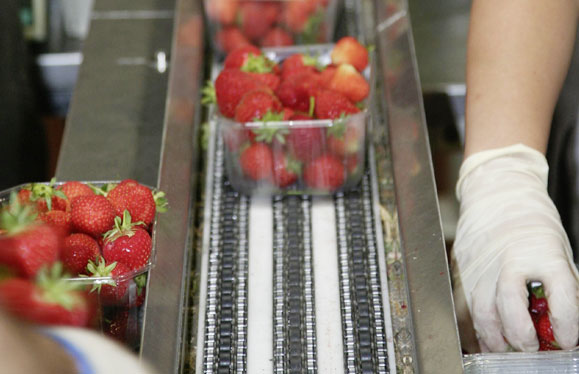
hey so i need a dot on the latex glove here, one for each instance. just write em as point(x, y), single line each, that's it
point(510, 233)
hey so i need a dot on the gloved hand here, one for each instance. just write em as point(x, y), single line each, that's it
point(510, 233)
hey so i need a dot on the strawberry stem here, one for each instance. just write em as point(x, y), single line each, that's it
point(55, 288)
point(16, 217)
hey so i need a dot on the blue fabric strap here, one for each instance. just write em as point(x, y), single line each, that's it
point(82, 363)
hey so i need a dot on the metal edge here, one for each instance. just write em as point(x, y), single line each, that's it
point(435, 328)
point(167, 300)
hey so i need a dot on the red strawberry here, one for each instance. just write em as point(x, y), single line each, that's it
point(237, 58)
point(230, 87)
point(136, 198)
point(77, 251)
point(138, 297)
point(285, 170)
point(255, 104)
point(116, 291)
point(350, 83)
point(277, 37)
point(305, 143)
point(326, 173)
point(47, 197)
point(48, 300)
point(298, 63)
point(545, 334)
point(127, 243)
point(332, 105)
point(349, 51)
point(25, 245)
point(297, 91)
point(230, 38)
point(297, 14)
point(343, 139)
point(538, 303)
point(257, 18)
point(269, 79)
point(74, 189)
point(327, 74)
point(257, 161)
point(222, 11)
point(60, 219)
point(92, 214)
point(24, 196)
point(300, 117)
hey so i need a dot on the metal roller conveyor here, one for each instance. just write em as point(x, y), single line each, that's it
point(293, 284)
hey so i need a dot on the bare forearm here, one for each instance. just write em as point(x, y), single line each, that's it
point(518, 56)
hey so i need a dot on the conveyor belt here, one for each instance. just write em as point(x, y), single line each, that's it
point(292, 284)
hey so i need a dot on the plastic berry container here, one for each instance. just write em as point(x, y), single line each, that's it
point(118, 315)
point(233, 23)
point(313, 156)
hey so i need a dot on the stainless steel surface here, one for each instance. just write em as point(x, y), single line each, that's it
point(114, 127)
point(168, 289)
point(440, 30)
point(435, 330)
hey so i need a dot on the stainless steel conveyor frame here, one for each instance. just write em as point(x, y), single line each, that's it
point(130, 119)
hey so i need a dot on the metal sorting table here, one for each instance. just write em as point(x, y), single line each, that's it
point(357, 282)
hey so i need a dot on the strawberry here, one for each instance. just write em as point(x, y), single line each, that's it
point(222, 11)
point(48, 300)
point(230, 87)
point(26, 245)
point(230, 38)
point(47, 197)
point(255, 104)
point(74, 189)
point(237, 58)
point(127, 243)
point(538, 303)
point(325, 173)
point(298, 63)
point(24, 196)
point(327, 74)
point(261, 68)
point(539, 308)
point(137, 298)
point(305, 143)
point(297, 13)
point(350, 83)
point(296, 92)
point(349, 51)
point(343, 139)
point(136, 198)
point(300, 117)
point(59, 219)
point(114, 292)
point(92, 214)
point(77, 251)
point(277, 37)
point(332, 105)
point(545, 334)
point(257, 18)
point(285, 170)
point(257, 161)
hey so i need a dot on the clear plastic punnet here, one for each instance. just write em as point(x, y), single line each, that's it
point(233, 23)
point(312, 156)
point(559, 362)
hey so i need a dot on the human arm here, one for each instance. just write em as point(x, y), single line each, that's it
point(517, 57)
point(509, 231)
